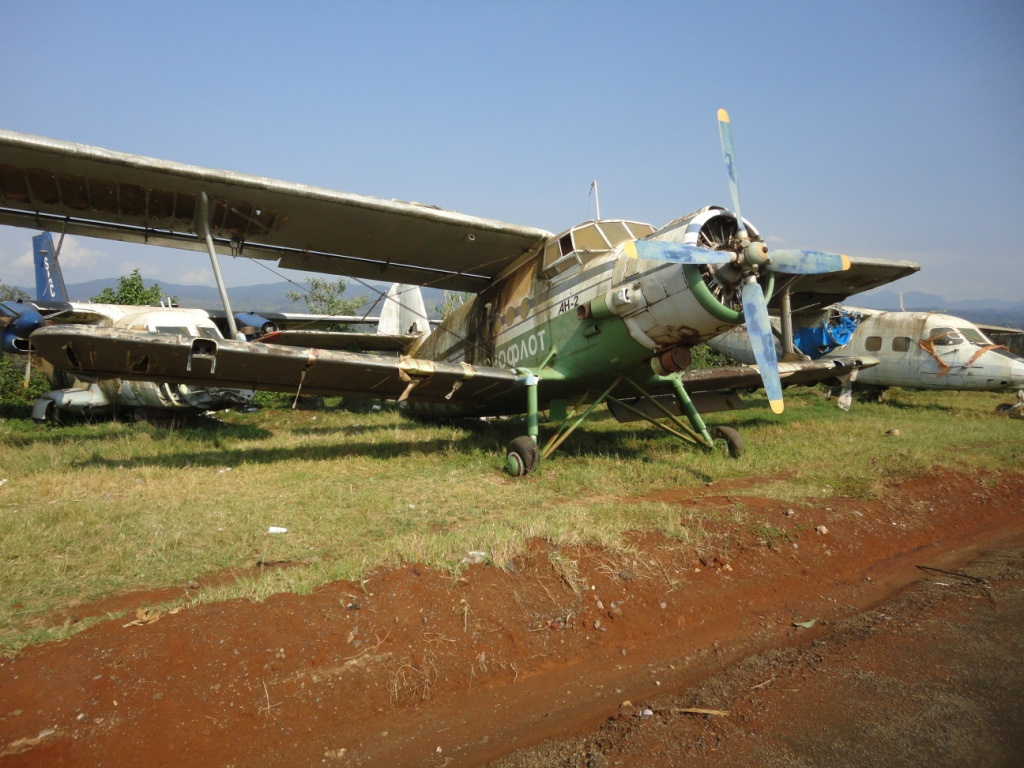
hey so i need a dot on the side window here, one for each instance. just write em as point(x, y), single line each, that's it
point(181, 330)
point(901, 344)
point(873, 343)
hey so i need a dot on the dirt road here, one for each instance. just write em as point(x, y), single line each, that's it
point(415, 668)
point(931, 677)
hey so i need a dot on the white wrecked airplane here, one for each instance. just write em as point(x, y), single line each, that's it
point(915, 350)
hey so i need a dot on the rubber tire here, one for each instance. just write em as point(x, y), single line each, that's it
point(522, 457)
point(732, 439)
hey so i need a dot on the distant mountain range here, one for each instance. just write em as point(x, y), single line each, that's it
point(984, 311)
point(270, 297)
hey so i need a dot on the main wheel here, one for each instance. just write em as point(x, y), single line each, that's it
point(731, 438)
point(522, 456)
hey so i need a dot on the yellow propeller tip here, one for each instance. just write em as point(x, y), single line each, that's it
point(846, 261)
point(777, 406)
point(630, 248)
point(723, 116)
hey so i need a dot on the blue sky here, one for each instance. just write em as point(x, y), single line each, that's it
point(889, 130)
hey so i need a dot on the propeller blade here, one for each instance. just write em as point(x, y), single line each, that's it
point(762, 342)
point(729, 154)
point(792, 262)
point(658, 250)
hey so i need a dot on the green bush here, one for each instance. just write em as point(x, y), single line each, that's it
point(13, 393)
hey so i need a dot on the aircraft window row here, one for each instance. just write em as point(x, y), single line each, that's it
point(511, 313)
point(940, 337)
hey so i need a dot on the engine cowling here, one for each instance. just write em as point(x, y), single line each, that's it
point(18, 324)
point(666, 304)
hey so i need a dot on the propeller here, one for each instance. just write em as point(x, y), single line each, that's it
point(749, 257)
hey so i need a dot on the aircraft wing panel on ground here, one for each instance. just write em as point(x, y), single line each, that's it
point(114, 353)
point(84, 190)
point(821, 290)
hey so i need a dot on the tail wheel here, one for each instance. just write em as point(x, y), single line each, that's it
point(522, 457)
point(731, 438)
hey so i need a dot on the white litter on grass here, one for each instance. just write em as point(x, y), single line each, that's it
point(276, 529)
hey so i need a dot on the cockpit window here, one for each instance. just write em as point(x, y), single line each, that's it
point(975, 336)
point(590, 238)
point(208, 333)
point(945, 337)
point(584, 242)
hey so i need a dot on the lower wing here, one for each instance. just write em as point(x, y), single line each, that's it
point(116, 353)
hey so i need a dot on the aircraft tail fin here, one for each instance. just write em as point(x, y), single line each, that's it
point(403, 312)
point(49, 280)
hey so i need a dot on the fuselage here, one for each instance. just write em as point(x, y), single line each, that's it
point(107, 395)
point(582, 312)
point(917, 350)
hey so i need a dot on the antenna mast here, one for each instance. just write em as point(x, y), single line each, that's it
point(597, 200)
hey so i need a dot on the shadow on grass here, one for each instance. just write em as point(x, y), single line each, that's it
point(199, 429)
point(476, 437)
point(902, 405)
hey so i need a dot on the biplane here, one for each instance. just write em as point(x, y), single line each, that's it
point(604, 312)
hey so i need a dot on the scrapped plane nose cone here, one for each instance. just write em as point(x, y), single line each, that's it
point(1017, 374)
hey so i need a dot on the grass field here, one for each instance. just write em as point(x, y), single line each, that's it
point(95, 509)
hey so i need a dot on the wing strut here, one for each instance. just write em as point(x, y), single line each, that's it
point(786, 317)
point(203, 219)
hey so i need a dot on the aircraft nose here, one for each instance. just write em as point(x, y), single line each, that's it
point(1017, 374)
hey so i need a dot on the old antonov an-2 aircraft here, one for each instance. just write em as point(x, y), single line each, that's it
point(604, 312)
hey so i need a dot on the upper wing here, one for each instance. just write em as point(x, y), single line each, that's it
point(45, 183)
point(114, 353)
point(816, 291)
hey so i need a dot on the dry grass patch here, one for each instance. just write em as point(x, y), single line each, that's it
point(96, 509)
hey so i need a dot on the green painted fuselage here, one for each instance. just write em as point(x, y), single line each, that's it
point(568, 331)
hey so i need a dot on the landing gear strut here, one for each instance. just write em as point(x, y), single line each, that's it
point(523, 454)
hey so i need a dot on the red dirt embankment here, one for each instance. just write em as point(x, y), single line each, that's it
point(414, 668)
